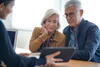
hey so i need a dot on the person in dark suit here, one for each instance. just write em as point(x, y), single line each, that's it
point(8, 57)
point(81, 34)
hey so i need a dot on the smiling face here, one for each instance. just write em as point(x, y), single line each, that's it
point(73, 15)
point(5, 10)
point(51, 24)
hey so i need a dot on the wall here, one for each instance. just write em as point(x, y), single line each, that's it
point(23, 39)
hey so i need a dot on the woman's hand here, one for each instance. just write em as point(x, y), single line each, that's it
point(44, 30)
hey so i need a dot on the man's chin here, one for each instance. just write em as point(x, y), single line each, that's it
point(71, 25)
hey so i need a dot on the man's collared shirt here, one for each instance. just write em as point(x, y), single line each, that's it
point(73, 38)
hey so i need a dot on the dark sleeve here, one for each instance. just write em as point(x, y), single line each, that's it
point(91, 44)
point(30, 62)
point(8, 55)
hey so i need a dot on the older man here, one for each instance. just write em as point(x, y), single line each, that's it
point(81, 34)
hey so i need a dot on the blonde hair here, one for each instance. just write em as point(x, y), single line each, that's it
point(48, 14)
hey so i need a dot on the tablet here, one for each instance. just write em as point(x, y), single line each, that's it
point(66, 52)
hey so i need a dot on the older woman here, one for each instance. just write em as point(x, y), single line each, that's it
point(47, 35)
point(8, 57)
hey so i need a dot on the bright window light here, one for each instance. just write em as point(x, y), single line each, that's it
point(29, 13)
point(91, 11)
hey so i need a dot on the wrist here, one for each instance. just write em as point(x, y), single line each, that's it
point(43, 37)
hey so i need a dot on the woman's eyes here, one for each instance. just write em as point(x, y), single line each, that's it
point(52, 21)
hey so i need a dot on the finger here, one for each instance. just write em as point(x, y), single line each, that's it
point(58, 60)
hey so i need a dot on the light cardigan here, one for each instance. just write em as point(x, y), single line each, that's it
point(38, 36)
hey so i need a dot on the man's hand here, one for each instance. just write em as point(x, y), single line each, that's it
point(51, 60)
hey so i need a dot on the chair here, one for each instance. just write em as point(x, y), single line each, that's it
point(13, 36)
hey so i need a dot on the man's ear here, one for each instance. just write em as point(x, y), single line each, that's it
point(1, 6)
point(81, 12)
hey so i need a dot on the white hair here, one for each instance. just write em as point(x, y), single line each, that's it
point(75, 3)
point(48, 14)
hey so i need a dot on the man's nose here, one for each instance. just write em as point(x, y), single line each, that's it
point(68, 17)
point(51, 23)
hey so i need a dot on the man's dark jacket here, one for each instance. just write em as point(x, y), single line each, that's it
point(88, 40)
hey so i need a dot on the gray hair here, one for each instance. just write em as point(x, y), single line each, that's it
point(75, 3)
point(49, 13)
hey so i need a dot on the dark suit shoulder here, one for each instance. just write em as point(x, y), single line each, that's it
point(1, 24)
point(65, 31)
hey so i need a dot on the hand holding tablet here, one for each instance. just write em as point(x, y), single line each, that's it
point(66, 52)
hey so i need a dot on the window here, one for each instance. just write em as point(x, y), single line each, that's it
point(29, 13)
point(91, 11)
